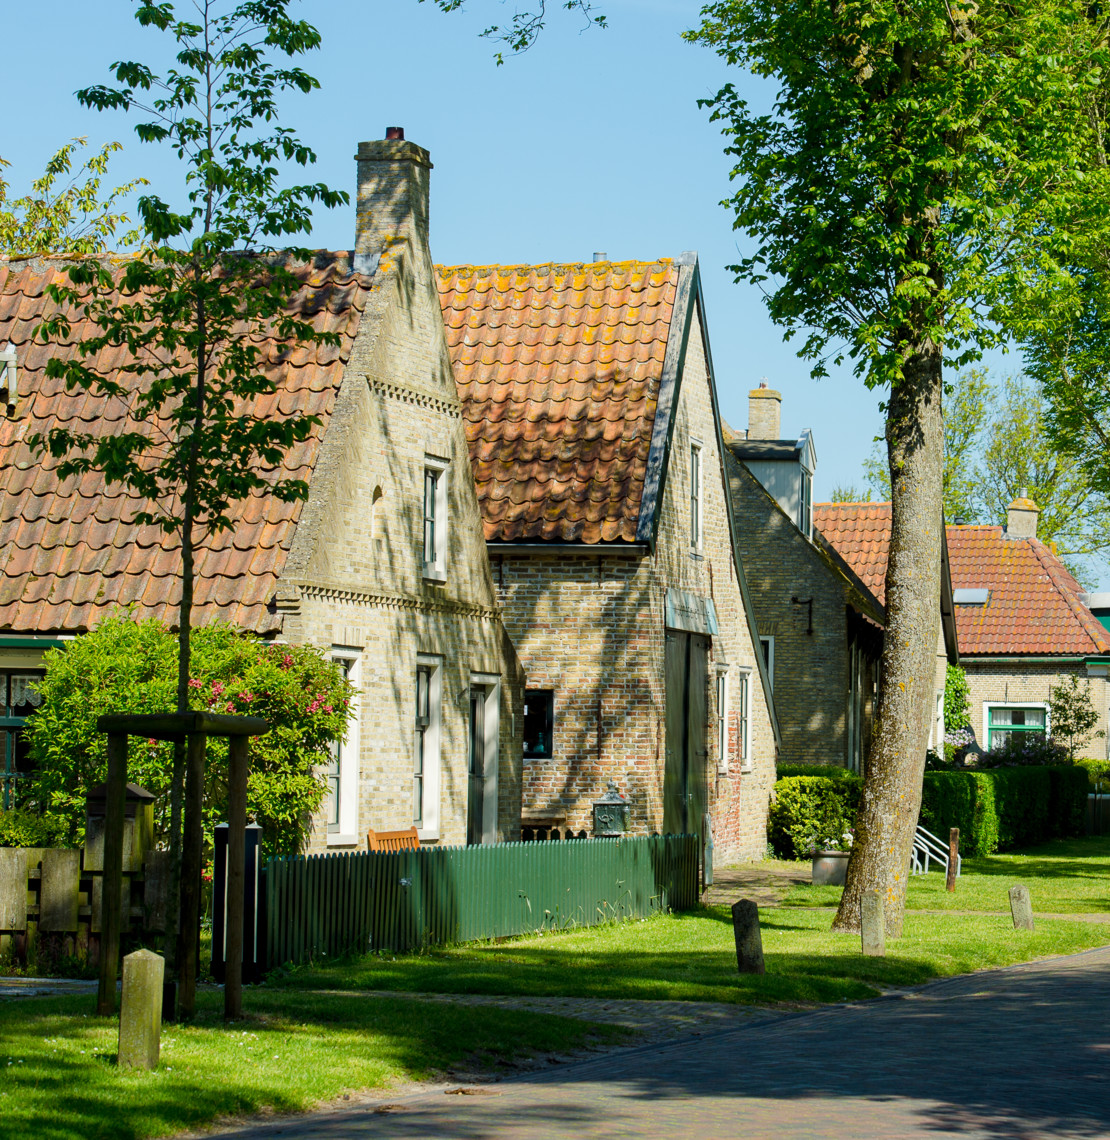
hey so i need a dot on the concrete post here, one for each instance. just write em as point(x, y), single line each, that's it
point(1021, 907)
point(749, 942)
point(872, 924)
point(140, 1015)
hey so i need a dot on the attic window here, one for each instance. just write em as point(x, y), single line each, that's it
point(971, 597)
point(9, 379)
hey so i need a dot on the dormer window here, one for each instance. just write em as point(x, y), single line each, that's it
point(695, 498)
point(435, 519)
point(805, 504)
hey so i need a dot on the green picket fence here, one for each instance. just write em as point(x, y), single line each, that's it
point(401, 900)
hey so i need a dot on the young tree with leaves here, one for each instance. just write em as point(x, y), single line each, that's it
point(210, 286)
point(891, 192)
point(1072, 715)
point(66, 217)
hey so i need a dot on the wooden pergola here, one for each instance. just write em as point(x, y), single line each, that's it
point(192, 729)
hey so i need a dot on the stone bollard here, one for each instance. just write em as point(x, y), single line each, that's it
point(749, 942)
point(872, 924)
point(1021, 907)
point(140, 1015)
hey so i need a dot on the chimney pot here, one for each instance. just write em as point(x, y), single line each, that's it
point(601, 257)
point(764, 412)
point(395, 133)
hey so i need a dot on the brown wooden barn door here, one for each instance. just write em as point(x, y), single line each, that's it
point(686, 671)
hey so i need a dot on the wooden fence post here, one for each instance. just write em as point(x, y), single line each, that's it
point(953, 859)
point(115, 791)
point(237, 759)
point(192, 856)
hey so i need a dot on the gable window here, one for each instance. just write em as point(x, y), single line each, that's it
point(805, 504)
point(695, 498)
point(767, 648)
point(343, 769)
point(1006, 722)
point(19, 697)
point(426, 754)
point(435, 519)
point(539, 717)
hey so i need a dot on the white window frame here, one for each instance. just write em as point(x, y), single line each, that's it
point(769, 657)
point(988, 705)
point(805, 502)
point(428, 828)
point(697, 504)
point(350, 755)
point(745, 712)
point(435, 568)
point(723, 695)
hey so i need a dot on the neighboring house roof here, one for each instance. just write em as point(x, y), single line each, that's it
point(860, 534)
point(1033, 604)
point(68, 550)
point(559, 368)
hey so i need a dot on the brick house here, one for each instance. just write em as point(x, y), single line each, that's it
point(1024, 626)
point(820, 625)
point(383, 568)
point(860, 534)
point(591, 416)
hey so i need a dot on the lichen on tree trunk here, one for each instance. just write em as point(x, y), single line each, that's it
point(891, 800)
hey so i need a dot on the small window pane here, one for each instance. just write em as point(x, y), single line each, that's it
point(539, 716)
point(431, 478)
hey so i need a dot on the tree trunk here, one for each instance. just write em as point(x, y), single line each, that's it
point(891, 800)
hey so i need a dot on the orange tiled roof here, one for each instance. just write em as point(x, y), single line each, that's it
point(68, 552)
point(860, 534)
point(1033, 605)
point(558, 368)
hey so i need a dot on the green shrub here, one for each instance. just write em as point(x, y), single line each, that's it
point(995, 809)
point(810, 807)
point(999, 809)
point(829, 771)
point(29, 829)
point(126, 666)
point(1098, 772)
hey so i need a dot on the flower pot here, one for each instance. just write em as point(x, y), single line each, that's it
point(830, 868)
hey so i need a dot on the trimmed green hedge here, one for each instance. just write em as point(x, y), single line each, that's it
point(1097, 771)
point(826, 771)
point(996, 809)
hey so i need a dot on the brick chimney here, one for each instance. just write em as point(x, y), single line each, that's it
point(1021, 521)
point(392, 203)
point(764, 406)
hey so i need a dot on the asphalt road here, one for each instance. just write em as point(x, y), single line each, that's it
point(1015, 1054)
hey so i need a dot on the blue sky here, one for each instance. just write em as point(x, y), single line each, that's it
point(591, 141)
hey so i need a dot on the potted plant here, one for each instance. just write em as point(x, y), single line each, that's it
point(829, 854)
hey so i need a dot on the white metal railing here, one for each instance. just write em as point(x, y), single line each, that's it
point(927, 846)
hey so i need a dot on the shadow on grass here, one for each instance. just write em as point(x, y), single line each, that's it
point(289, 1051)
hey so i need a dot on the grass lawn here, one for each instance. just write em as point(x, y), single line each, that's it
point(291, 1050)
point(691, 957)
point(1066, 876)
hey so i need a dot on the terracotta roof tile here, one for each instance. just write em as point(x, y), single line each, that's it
point(860, 534)
point(68, 551)
point(558, 368)
point(1033, 605)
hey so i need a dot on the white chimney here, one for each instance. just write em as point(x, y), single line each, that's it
point(1021, 520)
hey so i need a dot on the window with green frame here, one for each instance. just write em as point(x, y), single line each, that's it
point(18, 699)
point(1007, 721)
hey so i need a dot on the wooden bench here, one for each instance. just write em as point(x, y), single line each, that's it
point(407, 840)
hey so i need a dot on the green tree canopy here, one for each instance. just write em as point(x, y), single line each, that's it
point(895, 195)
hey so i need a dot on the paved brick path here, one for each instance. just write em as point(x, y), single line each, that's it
point(1015, 1054)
